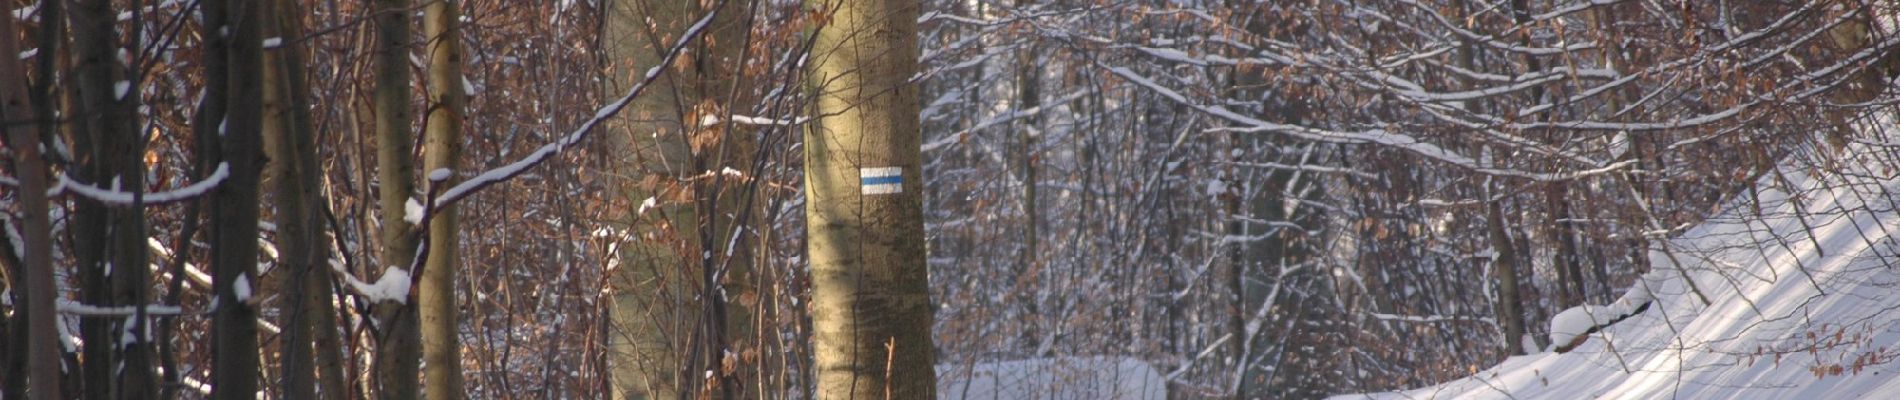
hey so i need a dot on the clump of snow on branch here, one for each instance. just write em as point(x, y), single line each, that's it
point(412, 211)
point(392, 286)
point(440, 175)
point(648, 203)
point(242, 288)
point(1579, 320)
point(1575, 322)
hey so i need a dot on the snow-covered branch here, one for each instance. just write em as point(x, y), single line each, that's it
point(1379, 137)
point(74, 308)
point(1431, 318)
point(115, 197)
point(458, 192)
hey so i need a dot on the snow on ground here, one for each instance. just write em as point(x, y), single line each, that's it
point(1062, 378)
point(1811, 315)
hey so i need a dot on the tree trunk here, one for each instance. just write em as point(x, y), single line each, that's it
point(685, 217)
point(441, 348)
point(206, 126)
point(297, 378)
point(110, 240)
point(1560, 229)
point(1857, 34)
point(318, 310)
point(1028, 97)
point(41, 350)
point(397, 353)
point(871, 314)
point(290, 140)
point(234, 203)
point(1504, 268)
point(649, 318)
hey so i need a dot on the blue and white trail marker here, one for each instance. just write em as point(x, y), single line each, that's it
point(882, 180)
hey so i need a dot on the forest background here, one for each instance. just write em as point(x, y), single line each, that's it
point(1257, 199)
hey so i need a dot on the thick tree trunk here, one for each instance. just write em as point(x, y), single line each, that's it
point(397, 350)
point(110, 244)
point(667, 299)
point(206, 126)
point(871, 314)
point(319, 313)
point(650, 316)
point(310, 351)
point(35, 315)
point(296, 377)
point(235, 202)
point(441, 348)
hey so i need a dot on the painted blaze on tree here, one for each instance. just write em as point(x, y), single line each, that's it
point(864, 211)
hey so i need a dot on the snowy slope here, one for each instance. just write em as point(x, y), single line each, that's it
point(1784, 314)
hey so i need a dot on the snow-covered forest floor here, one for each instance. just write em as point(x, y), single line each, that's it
point(1801, 303)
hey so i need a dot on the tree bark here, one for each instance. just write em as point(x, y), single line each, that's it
point(1504, 267)
point(666, 321)
point(650, 315)
point(41, 349)
point(1561, 230)
point(110, 241)
point(871, 314)
point(310, 353)
point(319, 313)
point(397, 353)
point(441, 348)
point(1029, 97)
point(235, 202)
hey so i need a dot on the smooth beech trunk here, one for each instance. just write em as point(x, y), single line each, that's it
point(668, 317)
point(441, 349)
point(397, 343)
point(41, 349)
point(871, 314)
point(651, 315)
